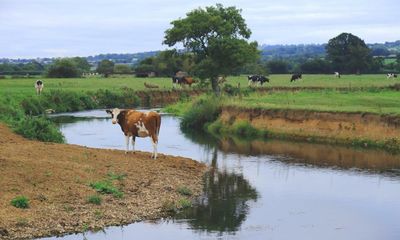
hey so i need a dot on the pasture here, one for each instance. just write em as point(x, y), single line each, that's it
point(380, 102)
point(19, 88)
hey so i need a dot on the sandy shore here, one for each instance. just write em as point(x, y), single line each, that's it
point(56, 178)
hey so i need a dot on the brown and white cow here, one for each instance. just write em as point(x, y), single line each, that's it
point(137, 124)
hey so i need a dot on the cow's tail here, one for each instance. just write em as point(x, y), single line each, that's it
point(158, 124)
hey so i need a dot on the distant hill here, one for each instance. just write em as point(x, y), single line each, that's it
point(268, 52)
point(129, 58)
point(314, 50)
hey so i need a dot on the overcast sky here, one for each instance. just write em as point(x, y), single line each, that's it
point(58, 28)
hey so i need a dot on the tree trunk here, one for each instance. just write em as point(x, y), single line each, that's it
point(215, 86)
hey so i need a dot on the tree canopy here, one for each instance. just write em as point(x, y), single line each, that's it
point(105, 67)
point(348, 53)
point(217, 37)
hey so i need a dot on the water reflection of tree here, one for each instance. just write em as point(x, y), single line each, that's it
point(224, 204)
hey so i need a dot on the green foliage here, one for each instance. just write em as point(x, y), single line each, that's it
point(107, 187)
point(58, 100)
point(167, 63)
point(184, 191)
point(184, 203)
point(204, 110)
point(94, 199)
point(122, 69)
point(105, 67)
point(217, 38)
point(68, 68)
point(20, 202)
point(316, 66)
point(244, 129)
point(348, 54)
point(39, 128)
point(277, 66)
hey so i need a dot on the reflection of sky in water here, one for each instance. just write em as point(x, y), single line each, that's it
point(294, 201)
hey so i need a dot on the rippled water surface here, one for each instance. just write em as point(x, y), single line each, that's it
point(262, 190)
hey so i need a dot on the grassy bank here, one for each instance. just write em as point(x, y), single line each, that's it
point(360, 118)
point(374, 101)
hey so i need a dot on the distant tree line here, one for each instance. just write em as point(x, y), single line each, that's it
point(345, 53)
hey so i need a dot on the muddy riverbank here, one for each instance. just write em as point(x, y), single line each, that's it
point(56, 179)
point(364, 129)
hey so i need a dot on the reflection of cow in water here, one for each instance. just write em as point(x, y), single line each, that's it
point(181, 81)
point(39, 86)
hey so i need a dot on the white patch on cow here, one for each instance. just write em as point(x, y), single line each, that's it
point(154, 149)
point(115, 113)
point(142, 131)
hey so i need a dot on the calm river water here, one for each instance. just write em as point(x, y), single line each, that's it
point(261, 190)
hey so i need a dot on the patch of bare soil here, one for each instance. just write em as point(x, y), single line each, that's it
point(56, 178)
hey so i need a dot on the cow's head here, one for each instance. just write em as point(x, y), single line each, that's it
point(114, 114)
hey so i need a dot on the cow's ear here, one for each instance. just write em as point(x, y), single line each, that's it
point(108, 111)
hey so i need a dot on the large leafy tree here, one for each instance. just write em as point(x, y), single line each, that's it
point(105, 67)
point(217, 37)
point(348, 53)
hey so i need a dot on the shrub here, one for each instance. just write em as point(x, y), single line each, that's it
point(184, 191)
point(39, 128)
point(20, 202)
point(94, 199)
point(205, 110)
point(184, 203)
point(244, 129)
point(106, 187)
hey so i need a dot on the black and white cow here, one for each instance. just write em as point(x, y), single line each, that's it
point(254, 80)
point(337, 74)
point(391, 75)
point(295, 77)
point(39, 86)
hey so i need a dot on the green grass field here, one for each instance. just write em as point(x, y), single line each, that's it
point(380, 102)
point(25, 87)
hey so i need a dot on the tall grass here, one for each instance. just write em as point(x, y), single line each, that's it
point(203, 111)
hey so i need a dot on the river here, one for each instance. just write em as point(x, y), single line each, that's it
point(261, 189)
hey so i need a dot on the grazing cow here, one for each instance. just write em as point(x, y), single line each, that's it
point(181, 81)
point(391, 75)
point(337, 74)
point(257, 79)
point(39, 86)
point(295, 77)
point(137, 124)
point(188, 81)
point(177, 81)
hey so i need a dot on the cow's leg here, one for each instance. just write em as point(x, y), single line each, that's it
point(133, 143)
point(127, 143)
point(154, 141)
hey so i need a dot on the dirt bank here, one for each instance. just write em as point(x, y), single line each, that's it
point(56, 178)
point(320, 126)
point(155, 98)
